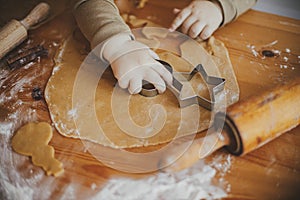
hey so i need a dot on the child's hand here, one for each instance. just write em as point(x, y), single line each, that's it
point(201, 18)
point(132, 62)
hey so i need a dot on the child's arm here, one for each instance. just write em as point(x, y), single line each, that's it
point(131, 61)
point(203, 17)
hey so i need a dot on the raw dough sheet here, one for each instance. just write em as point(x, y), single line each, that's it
point(82, 107)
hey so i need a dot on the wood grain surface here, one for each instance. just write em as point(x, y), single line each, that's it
point(271, 172)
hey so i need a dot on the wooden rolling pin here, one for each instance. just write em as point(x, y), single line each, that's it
point(248, 125)
point(15, 32)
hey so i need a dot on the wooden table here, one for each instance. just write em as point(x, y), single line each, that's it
point(271, 172)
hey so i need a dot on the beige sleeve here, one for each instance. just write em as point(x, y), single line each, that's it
point(234, 8)
point(98, 19)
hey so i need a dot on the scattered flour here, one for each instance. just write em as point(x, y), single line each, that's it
point(93, 186)
point(252, 48)
point(19, 192)
point(72, 113)
point(193, 183)
point(56, 69)
point(283, 66)
point(284, 55)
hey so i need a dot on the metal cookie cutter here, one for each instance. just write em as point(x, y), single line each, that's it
point(215, 84)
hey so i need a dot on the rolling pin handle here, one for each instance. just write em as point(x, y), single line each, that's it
point(254, 122)
point(223, 121)
point(36, 15)
point(15, 32)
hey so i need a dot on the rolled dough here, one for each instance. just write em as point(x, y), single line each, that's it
point(32, 140)
point(79, 109)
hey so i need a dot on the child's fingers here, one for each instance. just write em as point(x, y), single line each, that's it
point(135, 85)
point(180, 19)
point(123, 82)
point(160, 69)
point(164, 73)
point(196, 29)
point(206, 32)
point(187, 24)
point(156, 80)
point(124, 79)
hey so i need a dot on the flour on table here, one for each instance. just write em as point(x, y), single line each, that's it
point(192, 183)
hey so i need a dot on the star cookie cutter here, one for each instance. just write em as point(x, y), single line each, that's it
point(215, 84)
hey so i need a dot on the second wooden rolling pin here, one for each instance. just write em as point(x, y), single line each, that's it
point(249, 124)
point(15, 32)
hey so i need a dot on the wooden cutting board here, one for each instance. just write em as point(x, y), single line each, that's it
point(269, 172)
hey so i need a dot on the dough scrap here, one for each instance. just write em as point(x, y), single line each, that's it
point(32, 140)
point(141, 4)
point(82, 121)
point(135, 22)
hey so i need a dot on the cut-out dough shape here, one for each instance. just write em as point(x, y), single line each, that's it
point(32, 140)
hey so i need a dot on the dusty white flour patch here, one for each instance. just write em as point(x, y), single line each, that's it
point(5, 128)
point(93, 186)
point(72, 113)
point(55, 69)
point(14, 89)
point(283, 66)
point(252, 48)
point(222, 164)
point(192, 183)
point(59, 57)
point(10, 191)
point(69, 191)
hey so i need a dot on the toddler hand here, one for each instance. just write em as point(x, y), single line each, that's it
point(132, 62)
point(199, 18)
